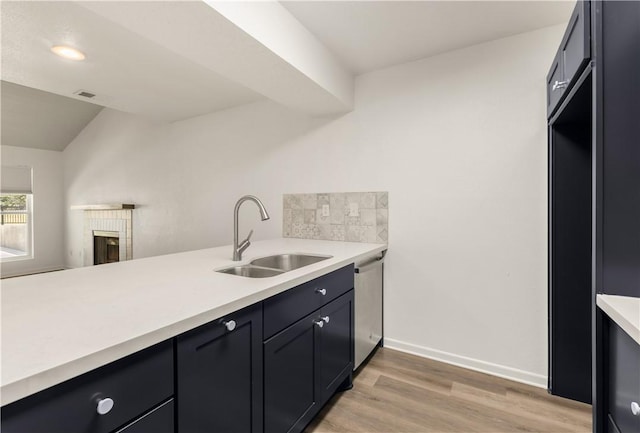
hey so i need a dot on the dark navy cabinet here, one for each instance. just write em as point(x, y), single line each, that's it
point(618, 169)
point(570, 245)
point(310, 359)
point(132, 394)
point(305, 364)
point(617, 208)
point(219, 375)
point(594, 206)
point(335, 345)
point(291, 397)
point(269, 367)
point(572, 56)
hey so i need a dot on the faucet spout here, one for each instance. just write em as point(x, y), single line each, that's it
point(239, 247)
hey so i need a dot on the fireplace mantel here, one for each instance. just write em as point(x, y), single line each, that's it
point(111, 206)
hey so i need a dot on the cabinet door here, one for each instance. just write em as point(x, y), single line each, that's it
point(290, 394)
point(576, 43)
point(335, 345)
point(220, 375)
point(572, 56)
point(624, 379)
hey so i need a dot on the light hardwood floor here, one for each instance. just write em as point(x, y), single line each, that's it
point(397, 392)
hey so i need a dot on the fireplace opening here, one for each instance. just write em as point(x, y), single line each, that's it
point(106, 247)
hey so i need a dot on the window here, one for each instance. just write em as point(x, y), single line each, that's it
point(16, 217)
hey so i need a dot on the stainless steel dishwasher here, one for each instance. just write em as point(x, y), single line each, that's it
point(368, 306)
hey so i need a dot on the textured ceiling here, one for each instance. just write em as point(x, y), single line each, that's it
point(123, 69)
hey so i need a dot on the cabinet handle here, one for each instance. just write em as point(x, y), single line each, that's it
point(104, 406)
point(230, 325)
point(319, 323)
point(326, 319)
point(559, 85)
point(323, 292)
point(635, 408)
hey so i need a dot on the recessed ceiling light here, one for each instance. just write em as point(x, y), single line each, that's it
point(68, 52)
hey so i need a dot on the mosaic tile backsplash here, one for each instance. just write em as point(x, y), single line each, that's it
point(342, 216)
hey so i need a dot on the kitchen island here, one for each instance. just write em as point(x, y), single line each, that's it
point(59, 325)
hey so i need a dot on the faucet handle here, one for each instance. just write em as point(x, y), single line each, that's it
point(245, 243)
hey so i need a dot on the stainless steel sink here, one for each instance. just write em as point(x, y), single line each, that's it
point(251, 271)
point(273, 265)
point(288, 262)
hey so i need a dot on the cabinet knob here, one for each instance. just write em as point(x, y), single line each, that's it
point(230, 325)
point(326, 319)
point(323, 292)
point(635, 408)
point(104, 406)
point(319, 323)
point(559, 85)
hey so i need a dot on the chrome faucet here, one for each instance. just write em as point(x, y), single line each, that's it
point(238, 249)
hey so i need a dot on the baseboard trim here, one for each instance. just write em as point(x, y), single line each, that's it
point(505, 372)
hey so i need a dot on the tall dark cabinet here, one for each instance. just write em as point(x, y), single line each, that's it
point(617, 113)
point(594, 194)
point(569, 96)
point(616, 261)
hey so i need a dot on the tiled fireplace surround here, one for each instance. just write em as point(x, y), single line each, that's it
point(107, 220)
point(353, 216)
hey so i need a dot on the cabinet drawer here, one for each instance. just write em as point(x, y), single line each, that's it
point(288, 307)
point(135, 384)
point(624, 379)
point(158, 420)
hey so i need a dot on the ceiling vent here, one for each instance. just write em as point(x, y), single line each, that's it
point(84, 94)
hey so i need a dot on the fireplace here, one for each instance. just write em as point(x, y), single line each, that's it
point(107, 233)
point(106, 247)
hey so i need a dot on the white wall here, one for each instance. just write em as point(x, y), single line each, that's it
point(48, 210)
point(458, 140)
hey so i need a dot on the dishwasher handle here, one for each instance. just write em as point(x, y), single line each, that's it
point(370, 264)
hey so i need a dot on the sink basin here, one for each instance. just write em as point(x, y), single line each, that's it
point(288, 262)
point(251, 271)
point(273, 265)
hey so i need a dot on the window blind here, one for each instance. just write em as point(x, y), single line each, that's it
point(15, 179)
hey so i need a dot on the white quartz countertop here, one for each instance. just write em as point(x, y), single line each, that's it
point(59, 325)
point(623, 310)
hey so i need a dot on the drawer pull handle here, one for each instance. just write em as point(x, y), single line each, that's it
point(635, 408)
point(230, 325)
point(559, 85)
point(323, 292)
point(319, 323)
point(104, 406)
point(326, 319)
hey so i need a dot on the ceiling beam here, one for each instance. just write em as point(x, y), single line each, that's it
point(259, 45)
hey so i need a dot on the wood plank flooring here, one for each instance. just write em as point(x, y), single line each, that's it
point(397, 392)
